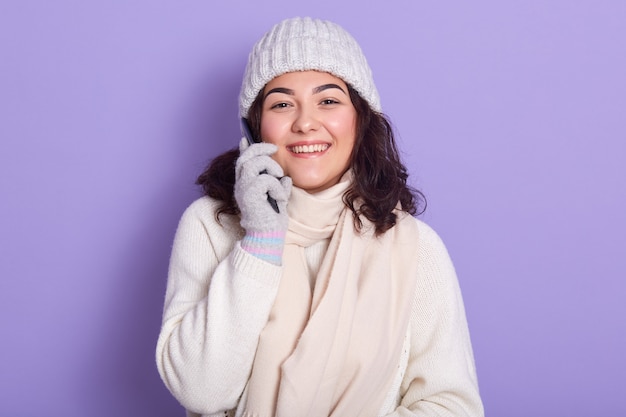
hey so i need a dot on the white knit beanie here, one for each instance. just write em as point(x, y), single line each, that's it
point(302, 44)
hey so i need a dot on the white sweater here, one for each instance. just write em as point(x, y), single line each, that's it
point(219, 297)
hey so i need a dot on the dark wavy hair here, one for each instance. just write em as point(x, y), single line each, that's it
point(380, 178)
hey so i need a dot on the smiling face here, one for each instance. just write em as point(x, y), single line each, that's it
point(310, 118)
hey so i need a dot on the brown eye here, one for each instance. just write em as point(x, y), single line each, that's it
point(280, 106)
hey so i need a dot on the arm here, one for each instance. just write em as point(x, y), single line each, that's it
point(440, 377)
point(217, 301)
point(220, 293)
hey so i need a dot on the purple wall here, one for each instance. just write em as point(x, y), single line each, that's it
point(512, 116)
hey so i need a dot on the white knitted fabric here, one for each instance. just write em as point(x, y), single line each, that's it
point(219, 298)
point(303, 44)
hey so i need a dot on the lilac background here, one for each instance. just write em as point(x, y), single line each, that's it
point(512, 116)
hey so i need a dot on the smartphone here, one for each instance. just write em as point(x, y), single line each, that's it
point(247, 133)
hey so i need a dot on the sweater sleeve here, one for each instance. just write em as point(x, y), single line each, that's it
point(440, 377)
point(217, 301)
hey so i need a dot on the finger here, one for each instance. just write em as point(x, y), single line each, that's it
point(258, 149)
point(273, 168)
point(259, 165)
point(277, 191)
point(286, 183)
point(254, 151)
point(243, 144)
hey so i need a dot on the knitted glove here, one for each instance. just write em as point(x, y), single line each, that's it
point(258, 176)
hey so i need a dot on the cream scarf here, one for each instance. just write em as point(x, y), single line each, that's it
point(334, 350)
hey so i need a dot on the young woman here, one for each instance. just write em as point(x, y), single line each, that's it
point(301, 284)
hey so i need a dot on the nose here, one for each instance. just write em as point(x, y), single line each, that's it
point(306, 120)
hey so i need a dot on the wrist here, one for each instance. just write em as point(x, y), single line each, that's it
point(266, 245)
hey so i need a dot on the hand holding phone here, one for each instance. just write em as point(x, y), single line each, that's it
point(245, 128)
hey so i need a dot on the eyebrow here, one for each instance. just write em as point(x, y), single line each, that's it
point(281, 90)
point(316, 90)
point(321, 88)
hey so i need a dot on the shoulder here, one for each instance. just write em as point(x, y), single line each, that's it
point(429, 240)
point(432, 259)
point(204, 209)
point(199, 219)
point(423, 236)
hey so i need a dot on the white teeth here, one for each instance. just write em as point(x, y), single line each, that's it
point(318, 147)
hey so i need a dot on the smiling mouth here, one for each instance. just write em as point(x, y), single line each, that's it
point(318, 147)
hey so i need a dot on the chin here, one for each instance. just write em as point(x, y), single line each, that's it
point(308, 186)
point(312, 186)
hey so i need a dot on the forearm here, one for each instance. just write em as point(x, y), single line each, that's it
point(217, 302)
point(206, 353)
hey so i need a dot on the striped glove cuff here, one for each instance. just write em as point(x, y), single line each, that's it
point(265, 245)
